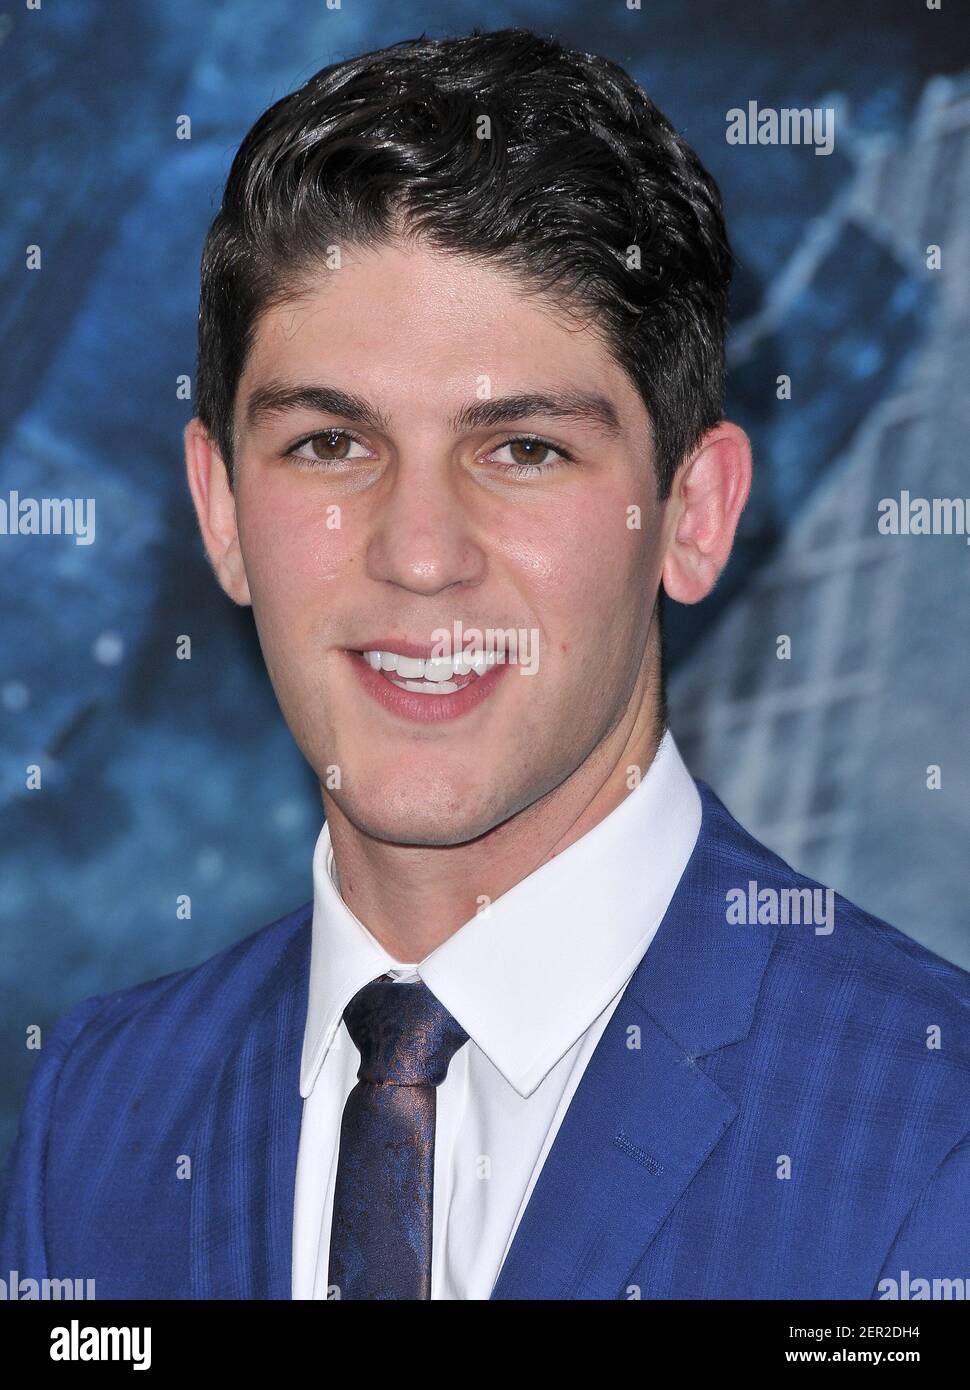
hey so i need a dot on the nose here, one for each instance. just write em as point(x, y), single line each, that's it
point(422, 538)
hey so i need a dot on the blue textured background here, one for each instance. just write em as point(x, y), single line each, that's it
point(164, 777)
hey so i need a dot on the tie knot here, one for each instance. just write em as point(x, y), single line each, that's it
point(405, 1036)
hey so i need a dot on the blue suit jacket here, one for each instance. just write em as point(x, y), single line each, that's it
point(762, 1118)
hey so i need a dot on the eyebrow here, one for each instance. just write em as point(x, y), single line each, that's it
point(276, 398)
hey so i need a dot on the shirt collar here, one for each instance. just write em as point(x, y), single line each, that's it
point(528, 977)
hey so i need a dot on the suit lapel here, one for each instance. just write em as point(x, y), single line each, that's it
point(245, 1152)
point(640, 1124)
point(645, 1116)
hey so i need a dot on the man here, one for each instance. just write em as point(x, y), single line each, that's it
point(554, 1025)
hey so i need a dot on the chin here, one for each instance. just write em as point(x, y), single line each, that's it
point(411, 818)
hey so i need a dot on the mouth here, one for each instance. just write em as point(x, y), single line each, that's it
point(424, 688)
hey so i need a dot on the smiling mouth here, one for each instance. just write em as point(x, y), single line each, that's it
point(429, 675)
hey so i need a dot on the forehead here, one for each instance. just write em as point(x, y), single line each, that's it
point(412, 321)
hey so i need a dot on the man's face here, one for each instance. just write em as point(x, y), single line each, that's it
point(381, 533)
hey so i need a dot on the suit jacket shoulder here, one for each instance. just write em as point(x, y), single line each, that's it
point(845, 1046)
point(113, 1108)
point(835, 940)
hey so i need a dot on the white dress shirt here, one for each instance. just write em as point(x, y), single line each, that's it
point(533, 981)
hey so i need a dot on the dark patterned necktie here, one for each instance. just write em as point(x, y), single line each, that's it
point(380, 1238)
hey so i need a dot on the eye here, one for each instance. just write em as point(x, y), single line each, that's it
point(527, 456)
point(327, 447)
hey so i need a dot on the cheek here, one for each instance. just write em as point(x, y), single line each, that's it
point(291, 549)
point(585, 570)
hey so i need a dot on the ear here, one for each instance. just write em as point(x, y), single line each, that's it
point(708, 496)
point(215, 506)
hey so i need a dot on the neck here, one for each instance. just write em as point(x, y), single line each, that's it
point(411, 898)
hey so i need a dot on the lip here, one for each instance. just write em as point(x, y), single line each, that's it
point(397, 644)
point(424, 709)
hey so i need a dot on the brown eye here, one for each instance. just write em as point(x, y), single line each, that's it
point(328, 447)
point(528, 450)
point(528, 456)
point(334, 444)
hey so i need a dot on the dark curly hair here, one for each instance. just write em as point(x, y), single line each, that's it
point(581, 189)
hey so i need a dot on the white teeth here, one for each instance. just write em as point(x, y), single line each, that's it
point(406, 666)
point(436, 668)
point(439, 671)
point(483, 662)
point(428, 687)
